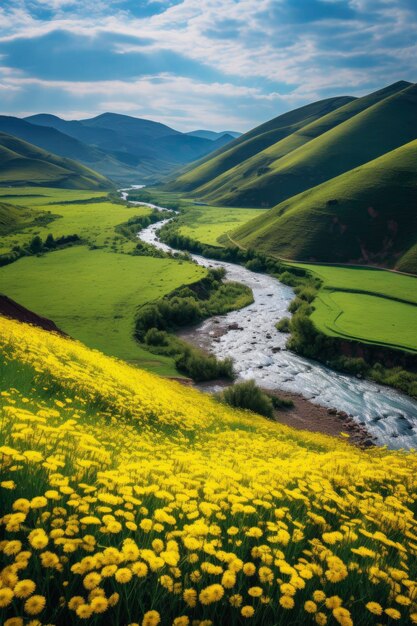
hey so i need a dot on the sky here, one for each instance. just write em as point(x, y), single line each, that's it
point(191, 64)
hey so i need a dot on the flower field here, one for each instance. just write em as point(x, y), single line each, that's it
point(127, 499)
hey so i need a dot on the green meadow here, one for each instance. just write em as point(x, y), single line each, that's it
point(92, 291)
point(368, 305)
point(74, 212)
point(207, 223)
point(199, 221)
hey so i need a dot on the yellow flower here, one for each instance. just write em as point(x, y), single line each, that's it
point(319, 596)
point(228, 580)
point(38, 502)
point(249, 569)
point(212, 593)
point(84, 611)
point(24, 588)
point(403, 600)
point(49, 559)
point(12, 547)
point(333, 602)
point(321, 619)
point(151, 618)
point(236, 600)
point(75, 602)
point(183, 620)
point(38, 539)
point(247, 611)
point(123, 575)
point(99, 604)
point(375, 608)
point(342, 616)
point(114, 599)
point(13, 621)
point(190, 597)
point(35, 604)
point(287, 602)
point(393, 613)
point(6, 597)
point(92, 580)
point(255, 592)
point(310, 607)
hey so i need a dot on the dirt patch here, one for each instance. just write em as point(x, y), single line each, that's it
point(14, 310)
point(308, 416)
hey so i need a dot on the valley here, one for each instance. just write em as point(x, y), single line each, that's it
point(149, 435)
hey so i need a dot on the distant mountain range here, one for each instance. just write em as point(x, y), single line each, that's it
point(339, 174)
point(123, 148)
point(22, 163)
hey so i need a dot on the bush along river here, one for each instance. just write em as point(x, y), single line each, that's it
point(258, 350)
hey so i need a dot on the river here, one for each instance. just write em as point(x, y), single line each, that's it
point(250, 338)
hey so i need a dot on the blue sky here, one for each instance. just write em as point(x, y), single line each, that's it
point(218, 64)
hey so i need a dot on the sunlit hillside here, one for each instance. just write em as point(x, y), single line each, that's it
point(128, 499)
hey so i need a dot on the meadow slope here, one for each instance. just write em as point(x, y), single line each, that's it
point(126, 499)
point(22, 163)
point(380, 128)
point(364, 216)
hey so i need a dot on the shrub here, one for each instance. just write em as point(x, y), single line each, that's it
point(281, 403)
point(247, 395)
point(284, 325)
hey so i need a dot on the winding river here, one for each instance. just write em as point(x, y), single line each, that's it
point(249, 336)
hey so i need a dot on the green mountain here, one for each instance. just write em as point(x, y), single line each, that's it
point(252, 143)
point(365, 216)
point(351, 135)
point(22, 163)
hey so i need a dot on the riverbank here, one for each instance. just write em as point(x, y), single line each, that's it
point(259, 353)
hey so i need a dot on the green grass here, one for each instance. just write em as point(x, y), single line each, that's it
point(93, 295)
point(93, 221)
point(372, 306)
point(365, 216)
point(279, 173)
point(208, 223)
point(23, 163)
point(201, 222)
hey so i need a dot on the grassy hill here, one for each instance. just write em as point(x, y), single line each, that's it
point(133, 498)
point(364, 216)
point(251, 143)
point(301, 163)
point(22, 163)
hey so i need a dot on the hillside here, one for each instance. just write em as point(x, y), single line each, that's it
point(132, 497)
point(125, 148)
point(365, 216)
point(321, 153)
point(252, 143)
point(22, 163)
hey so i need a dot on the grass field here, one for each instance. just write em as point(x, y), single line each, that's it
point(202, 222)
point(128, 499)
point(93, 221)
point(207, 223)
point(373, 306)
point(92, 294)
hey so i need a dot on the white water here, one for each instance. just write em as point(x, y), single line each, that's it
point(388, 415)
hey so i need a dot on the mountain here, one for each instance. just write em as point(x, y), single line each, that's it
point(251, 143)
point(210, 134)
point(22, 163)
point(263, 167)
point(125, 148)
point(365, 216)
